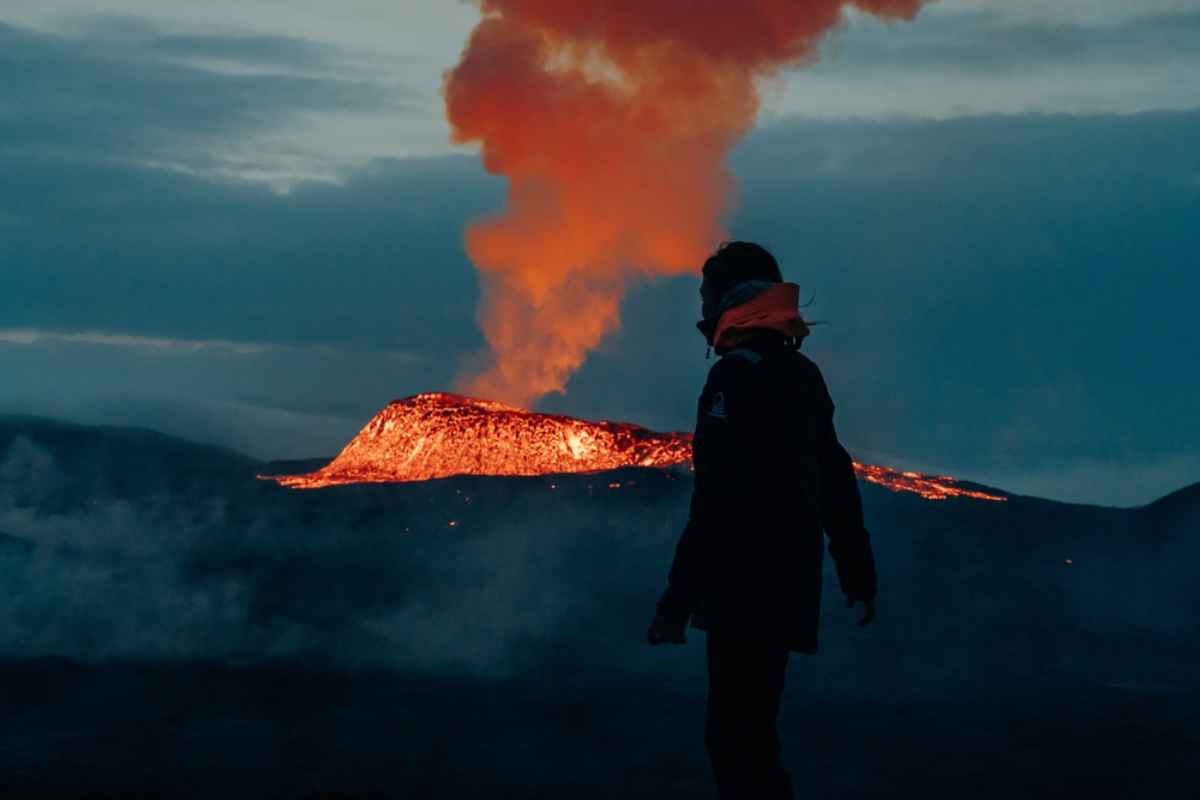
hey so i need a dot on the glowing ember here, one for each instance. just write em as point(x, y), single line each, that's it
point(436, 435)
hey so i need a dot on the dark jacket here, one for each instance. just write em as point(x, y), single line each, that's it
point(770, 475)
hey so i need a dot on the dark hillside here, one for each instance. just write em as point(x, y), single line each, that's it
point(170, 619)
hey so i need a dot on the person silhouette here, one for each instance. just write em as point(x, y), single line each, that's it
point(770, 476)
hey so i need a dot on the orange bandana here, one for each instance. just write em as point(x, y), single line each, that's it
point(776, 308)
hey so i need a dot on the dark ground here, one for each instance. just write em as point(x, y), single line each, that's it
point(172, 627)
point(121, 731)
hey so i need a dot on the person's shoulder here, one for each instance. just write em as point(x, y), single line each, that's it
point(741, 367)
point(730, 368)
point(803, 363)
point(810, 377)
point(805, 366)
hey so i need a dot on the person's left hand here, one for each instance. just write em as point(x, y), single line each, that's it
point(665, 630)
point(868, 610)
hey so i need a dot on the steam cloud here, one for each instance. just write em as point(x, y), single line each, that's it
point(118, 550)
point(612, 121)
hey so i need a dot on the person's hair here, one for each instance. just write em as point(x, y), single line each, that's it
point(735, 262)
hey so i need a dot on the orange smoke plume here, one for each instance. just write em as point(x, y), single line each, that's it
point(612, 121)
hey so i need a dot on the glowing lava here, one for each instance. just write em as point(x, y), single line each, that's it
point(931, 487)
point(437, 435)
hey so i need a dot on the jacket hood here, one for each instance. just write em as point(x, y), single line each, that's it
point(776, 308)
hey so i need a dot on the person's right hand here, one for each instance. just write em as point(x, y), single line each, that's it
point(665, 630)
point(868, 610)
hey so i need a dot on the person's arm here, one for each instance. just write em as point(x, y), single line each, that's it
point(841, 510)
point(681, 597)
point(683, 581)
point(712, 457)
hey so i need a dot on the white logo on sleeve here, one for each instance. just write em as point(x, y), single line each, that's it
point(717, 409)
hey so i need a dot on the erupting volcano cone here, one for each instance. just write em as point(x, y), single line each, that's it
point(437, 435)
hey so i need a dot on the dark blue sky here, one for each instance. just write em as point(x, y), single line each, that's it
point(188, 243)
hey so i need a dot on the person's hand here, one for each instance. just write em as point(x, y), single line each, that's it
point(665, 630)
point(868, 610)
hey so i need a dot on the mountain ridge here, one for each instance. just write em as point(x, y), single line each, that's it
point(135, 546)
point(12, 426)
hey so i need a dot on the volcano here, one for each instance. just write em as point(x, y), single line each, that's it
point(439, 435)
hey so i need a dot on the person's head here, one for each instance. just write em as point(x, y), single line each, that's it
point(731, 264)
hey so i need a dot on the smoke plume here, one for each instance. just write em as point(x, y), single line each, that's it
point(611, 121)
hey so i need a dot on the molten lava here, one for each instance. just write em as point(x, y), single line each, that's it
point(437, 435)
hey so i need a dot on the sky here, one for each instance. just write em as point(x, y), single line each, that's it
point(242, 223)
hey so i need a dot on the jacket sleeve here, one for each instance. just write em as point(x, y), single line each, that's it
point(713, 456)
point(683, 582)
point(841, 508)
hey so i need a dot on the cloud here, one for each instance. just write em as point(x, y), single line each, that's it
point(337, 87)
point(127, 93)
point(425, 30)
point(221, 310)
point(124, 544)
point(28, 336)
point(1094, 13)
point(960, 57)
point(993, 43)
point(1001, 60)
point(32, 336)
point(373, 263)
point(231, 51)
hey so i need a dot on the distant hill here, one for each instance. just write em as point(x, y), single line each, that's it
point(1171, 517)
point(153, 547)
point(68, 465)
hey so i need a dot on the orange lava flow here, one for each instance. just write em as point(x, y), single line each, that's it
point(438, 435)
point(931, 487)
